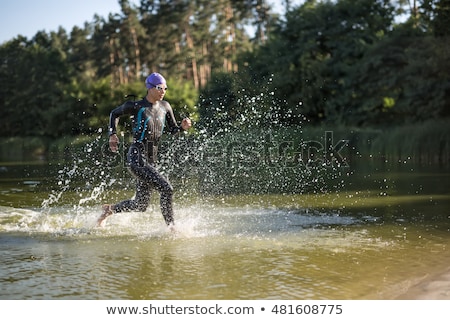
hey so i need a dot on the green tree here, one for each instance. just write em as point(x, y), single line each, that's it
point(436, 15)
point(14, 70)
point(316, 50)
point(403, 77)
point(34, 76)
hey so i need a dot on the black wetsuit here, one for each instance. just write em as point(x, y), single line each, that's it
point(148, 121)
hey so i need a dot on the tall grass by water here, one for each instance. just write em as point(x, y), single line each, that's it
point(426, 143)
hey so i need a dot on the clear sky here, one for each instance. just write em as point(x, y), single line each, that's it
point(27, 17)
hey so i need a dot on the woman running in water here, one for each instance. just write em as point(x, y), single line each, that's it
point(149, 117)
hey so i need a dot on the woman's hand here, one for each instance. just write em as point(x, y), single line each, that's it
point(186, 123)
point(114, 142)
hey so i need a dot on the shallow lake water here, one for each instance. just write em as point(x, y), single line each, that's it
point(380, 233)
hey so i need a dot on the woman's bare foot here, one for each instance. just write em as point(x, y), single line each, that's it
point(107, 211)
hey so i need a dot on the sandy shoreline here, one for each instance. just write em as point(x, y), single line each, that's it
point(431, 287)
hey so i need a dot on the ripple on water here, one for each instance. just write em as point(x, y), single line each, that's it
point(216, 253)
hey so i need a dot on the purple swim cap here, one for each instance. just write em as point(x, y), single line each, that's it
point(154, 79)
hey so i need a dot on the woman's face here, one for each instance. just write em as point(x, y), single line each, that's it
point(158, 91)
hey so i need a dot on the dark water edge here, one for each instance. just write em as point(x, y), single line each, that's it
point(392, 191)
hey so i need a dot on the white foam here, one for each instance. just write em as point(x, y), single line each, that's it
point(195, 221)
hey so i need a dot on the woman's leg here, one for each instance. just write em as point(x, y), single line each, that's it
point(140, 201)
point(147, 178)
point(155, 180)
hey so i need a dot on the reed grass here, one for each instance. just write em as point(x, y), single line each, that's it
point(425, 143)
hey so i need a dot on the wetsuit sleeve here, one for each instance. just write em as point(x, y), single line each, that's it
point(126, 108)
point(171, 122)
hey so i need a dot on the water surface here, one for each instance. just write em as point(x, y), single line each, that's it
point(374, 238)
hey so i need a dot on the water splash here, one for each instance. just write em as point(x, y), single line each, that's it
point(193, 221)
point(253, 162)
point(64, 181)
point(249, 152)
point(97, 191)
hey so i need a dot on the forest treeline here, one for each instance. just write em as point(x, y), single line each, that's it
point(235, 62)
